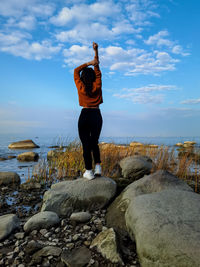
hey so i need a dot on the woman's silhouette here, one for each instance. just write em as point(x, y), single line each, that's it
point(88, 83)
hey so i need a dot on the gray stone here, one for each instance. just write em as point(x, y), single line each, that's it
point(28, 156)
point(41, 220)
point(135, 167)
point(155, 182)
point(76, 258)
point(19, 235)
point(166, 227)
point(25, 144)
point(9, 178)
point(82, 216)
point(8, 223)
point(48, 251)
point(30, 185)
point(81, 194)
point(105, 243)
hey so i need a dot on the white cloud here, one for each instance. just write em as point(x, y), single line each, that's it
point(159, 39)
point(145, 94)
point(141, 11)
point(130, 61)
point(177, 49)
point(84, 13)
point(191, 101)
point(18, 8)
point(16, 44)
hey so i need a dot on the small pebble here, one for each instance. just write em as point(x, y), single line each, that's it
point(43, 231)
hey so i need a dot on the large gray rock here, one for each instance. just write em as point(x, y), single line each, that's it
point(28, 156)
point(166, 227)
point(135, 167)
point(155, 182)
point(9, 178)
point(41, 220)
point(106, 244)
point(78, 195)
point(25, 144)
point(8, 223)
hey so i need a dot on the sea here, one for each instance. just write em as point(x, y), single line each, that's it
point(24, 169)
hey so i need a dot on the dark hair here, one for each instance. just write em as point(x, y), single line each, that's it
point(88, 77)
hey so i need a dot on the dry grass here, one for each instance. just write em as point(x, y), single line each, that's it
point(69, 162)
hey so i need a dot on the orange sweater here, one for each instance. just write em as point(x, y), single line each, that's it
point(96, 98)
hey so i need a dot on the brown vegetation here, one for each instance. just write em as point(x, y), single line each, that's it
point(68, 163)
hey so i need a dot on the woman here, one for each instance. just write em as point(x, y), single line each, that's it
point(88, 84)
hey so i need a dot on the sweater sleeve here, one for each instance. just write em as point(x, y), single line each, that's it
point(98, 76)
point(77, 78)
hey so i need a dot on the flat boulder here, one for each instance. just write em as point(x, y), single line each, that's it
point(28, 156)
point(135, 167)
point(41, 220)
point(156, 182)
point(8, 223)
point(166, 228)
point(9, 178)
point(78, 195)
point(25, 144)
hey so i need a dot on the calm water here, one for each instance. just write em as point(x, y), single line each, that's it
point(44, 141)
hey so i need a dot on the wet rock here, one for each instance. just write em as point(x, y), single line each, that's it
point(9, 178)
point(25, 144)
point(41, 220)
point(11, 157)
point(80, 216)
point(2, 158)
point(28, 156)
point(76, 258)
point(81, 194)
point(135, 167)
point(105, 243)
point(8, 223)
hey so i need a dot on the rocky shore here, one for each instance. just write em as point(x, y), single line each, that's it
point(141, 218)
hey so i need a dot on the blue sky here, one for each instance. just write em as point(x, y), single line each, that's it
point(149, 57)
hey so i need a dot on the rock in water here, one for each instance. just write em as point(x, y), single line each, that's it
point(9, 178)
point(41, 220)
point(106, 244)
point(135, 167)
point(28, 156)
point(81, 194)
point(25, 144)
point(166, 227)
point(8, 223)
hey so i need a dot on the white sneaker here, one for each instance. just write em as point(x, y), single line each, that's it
point(88, 174)
point(97, 170)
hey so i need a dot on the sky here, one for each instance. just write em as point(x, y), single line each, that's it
point(149, 58)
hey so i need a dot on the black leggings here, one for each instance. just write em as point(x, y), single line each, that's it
point(89, 128)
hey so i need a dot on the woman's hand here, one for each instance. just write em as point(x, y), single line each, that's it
point(95, 46)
